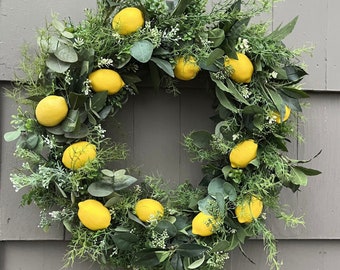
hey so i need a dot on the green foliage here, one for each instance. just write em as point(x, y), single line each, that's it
point(69, 53)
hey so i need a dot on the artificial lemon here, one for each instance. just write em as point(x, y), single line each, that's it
point(242, 68)
point(149, 209)
point(249, 210)
point(128, 21)
point(186, 68)
point(51, 111)
point(203, 224)
point(78, 154)
point(94, 215)
point(286, 116)
point(106, 80)
point(243, 153)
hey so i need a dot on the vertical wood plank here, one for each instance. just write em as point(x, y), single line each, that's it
point(333, 45)
point(319, 199)
point(311, 30)
point(196, 109)
point(156, 132)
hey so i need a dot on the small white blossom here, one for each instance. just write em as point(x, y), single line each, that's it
point(245, 92)
point(105, 62)
point(54, 214)
point(99, 129)
point(242, 45)
point(68, 78)
point(86, 87)
point(236, 136)
point(273, 75)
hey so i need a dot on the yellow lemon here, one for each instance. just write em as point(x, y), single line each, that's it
point(249, 210)
point(128, 21)
point(149, 209)
point(243, 153)
point(186, 68)
point(51, 111)
point(78, 154)
point(242, 68)
point(286, 116)
point(203, 224)
point(94, 215)
point(106, 80)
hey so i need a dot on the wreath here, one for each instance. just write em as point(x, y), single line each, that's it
point(84, 73)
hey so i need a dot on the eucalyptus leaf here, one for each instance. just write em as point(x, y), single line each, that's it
point(230, 190)
point(12, 135)
point(142, 51)
point(119, 174)
point(163, 65)
point(201, 138)
point(123, 60)
point(67, 34)
point(124, 182)
point(113, 200)
point(216, 186)
point(100, 189)
point(56, 130)
point(196, 263)
point(58, 25)
point(107, 172)
point(32, 141)
point(56, 65)
point(66, 53)
point(226, 170)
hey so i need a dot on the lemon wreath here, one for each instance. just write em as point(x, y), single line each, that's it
point(85, 73)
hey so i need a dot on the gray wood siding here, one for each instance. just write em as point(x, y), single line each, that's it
point(153, 125)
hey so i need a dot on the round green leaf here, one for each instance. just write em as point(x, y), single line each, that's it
point(142, 51)
point(66, 53)
point(56, 65)
point(100, 189)
point(12, 135)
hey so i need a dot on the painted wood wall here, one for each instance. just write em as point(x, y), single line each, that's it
point(154, 124)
